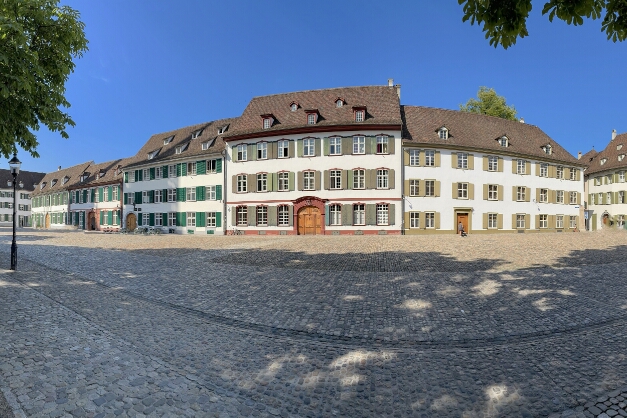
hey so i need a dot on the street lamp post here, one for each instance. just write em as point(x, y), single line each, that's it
point(15, 164)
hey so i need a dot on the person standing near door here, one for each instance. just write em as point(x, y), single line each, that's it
point(460, 228)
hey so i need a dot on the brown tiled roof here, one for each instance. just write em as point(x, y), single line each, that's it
point(73, 174)
point(588, 157)
point(381, 102)
point(110, 174)
point(182, 136)
point(610, 153)
point(28, 178)
point(472, 130)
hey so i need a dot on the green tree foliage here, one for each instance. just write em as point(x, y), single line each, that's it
point(489, 103)
point(504, 21)
point(38, 41)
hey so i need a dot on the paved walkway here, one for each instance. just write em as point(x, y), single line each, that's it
point(498, 325)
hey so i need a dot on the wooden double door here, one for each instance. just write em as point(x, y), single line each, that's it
point(131, 222)
point(463, 218)
point(309, 221)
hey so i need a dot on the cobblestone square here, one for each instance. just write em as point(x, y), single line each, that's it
point(510, 325)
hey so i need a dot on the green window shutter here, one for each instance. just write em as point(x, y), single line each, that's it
point(138, 197)
point(200, 193)
point(119, 217)
point(391, 214)
point(201, 167)
point(326, 215)
point(218, 219)
point(219, 165)
point(152, 173)
point(164, 172)
point(219, 192)
point(299, 147)
point(181, 219)
point(347, 214)
point(371, 214)
point(291, 180)
point(164, 219)
point(100, 194)
point(109, 193)
point(275, 182)
point(140, 219)
point(151, 196)
point(77, 197)
point(101, 217)
point(200, 219)
point(93, 195)
point(151, 219)
point(126, 198)
point(110, 217)
point(180, 194)
point(179, 170)
point(183, 169)
point(84, 196)
point(125, 177)
point(164, 195)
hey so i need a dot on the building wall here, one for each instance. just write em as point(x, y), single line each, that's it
point(101, 207)
point(24, 207)
point(607, 211)
point(51, 206)
point(447, 204)
point(295, 198)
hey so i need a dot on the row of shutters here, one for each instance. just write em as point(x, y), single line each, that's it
point(181, 195)
point(105, 194)
point(181, 219)
point(603, 200)
point(181, 170)
point(54, 199)
point(346, 181)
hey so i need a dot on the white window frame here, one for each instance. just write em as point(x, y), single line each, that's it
point(609, 198)
point(309, 147)
point(414, 220)
point(335, 145)
point(335, 215)
point(559, 196)
point(241, 215)
point(359, 115)
point(597, 181)
point(171, 195)
point(145, 218)
point(414, 187)
point(359, 144)
point(283, 215)
point(212, 166)
point(573, 174)
point(158, 196)
point(262, 150)
point(171, 218)
point(158, 218)
point(559, 221)
point(359, 179)
point(543, 221)
point(573, 198)
point(262, 215)
point(191, 168)
point(493, 192)
point(210, 192)
point(383, 178)
point(430, 188)
point(309, 180)
point(283, 180)
point(429, 158)
point(544, 170)
point(492, 221)
point(462, 160)
point(210, 219)
point(414, 157)
point(241, 183)
point(521, 193)
point(382, 214)
point(573, 222)
point(335, 178)
point(493, 163)
point(559, 172)
point(383, 144)
point(521, 222)
point(430, 220)
point(283, 148)
point(521, 167)
point(544, 195)
point(145, 196)
point(462, 190)
point(621, 176)
point(262, 182)
point(242, 152)
point(267, 123)
point(311, 119)
point(190, 219)
point(359, 214)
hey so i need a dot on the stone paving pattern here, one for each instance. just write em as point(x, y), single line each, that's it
point(495, 325)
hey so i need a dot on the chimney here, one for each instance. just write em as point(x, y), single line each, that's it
point(579, 155)
point(613, 134)
point(390, 82)
point(398, 91)
point(59, 169)
point(522, 120)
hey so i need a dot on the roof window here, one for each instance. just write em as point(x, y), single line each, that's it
point(223, 129)
point(504, 141)
point(621, 157)
point(168, 140)
point(181, 148)
point(153, 154)
point(339, 102)
point(196, 134)
point(443, 133)
point(619, 146)
point(84, 176)
point(547, 149)
point(42, 185)
point(53, 182)
point(312, 117)
point(294, 106)
point(65, 180)
point(207, 144)
point(603, 161)
point(268, 120)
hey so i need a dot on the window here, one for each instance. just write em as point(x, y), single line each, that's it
point(97, 196)
point(382, 214)
point(339, 103)
point(267, 122)
point(592, 198)
point(462, 190)
point(181, 148)
point(145, 197)
point(382, 144)
point(131, 176)
point(335, 215)
point(171, 195)
point(493, 163)
point(559, 222)
point(158, 196)
point(544, 170)
point(158, 172)
point(503, 141)
point(262, 182)
point(573, 222)
point(130, 199)
point(336, 179)
point(597, 181)
point(520, 194)
point(621, 176)
point(359, 116)
point(600, 199)
point(359, 214)
point(462, 160)
point(520, 220)
point(429, 219)
point(284, 150)
point(196, 134)
point(309, 180)
point(172, 171)
point(242, 216)
point(382, 179)
point(609, 198)
point(520, 167)
point(547, 149)
point(621, 197)
point(262, 150)
point(308, 147)
point(206, 145)
point(621, 157)
point(359, 145)
point(211, 166)
point(573, 173)
point(608, 179)
point(559, 196)
point(116, 221)
point(210, 192)
point(191, 169)
point(414, 219)
point(443, 133)
point(492, 221)
point(210, 218)
point(429, 158)
point(544, 195)
point(191, 218)
point(284, 215)
point(603, 161)
point(429, 187)
point(414, 157)
point(191, 194)
point(294, 107)
point(151, 155)
point(242, 152)
point(414, 187)
point(167, 140)
point(573, 198)
point(335, 146)
point(171, 218)
point(544, 223)
point(311, 119)
point(241, 183)
point(158, 218)
point(493, 192)
point(284, 181)
point(262, 216)
point(560, 172)
point(145, 218)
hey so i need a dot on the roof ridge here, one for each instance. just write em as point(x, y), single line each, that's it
point(471, 113)
point(316, 90)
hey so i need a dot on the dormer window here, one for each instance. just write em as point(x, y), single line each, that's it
point(547, 149)
point(53, 182)
point(181, 148)
point(65, 180)
point(223, 129)
point(360, 113)
point(196, 134)
point(206, 145)
point(153, 154)
point(503, 141)
point(443, 133)
point(102, 173)
point(294, 106)
point(621, 157)
point(42, 185)
point(168, 140)
point(339, 102)
point(84, 177)
point(603, 161)
point(618, 147)
point(312, 117)
point(268, 120)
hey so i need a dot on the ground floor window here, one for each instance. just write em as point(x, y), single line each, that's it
point(191, 218)
point(242, 216)
point(520, 220)
point(429, 219)
point(211, 219)
point(158, 219)
point(414, 219)
point(172, 219)
point(620, 221)
point(544, 223)
point(359, 214)
point(81, 218)
point(145, 218)
point(559, 221)
point(284, 215)
point(262, 216)
point(382, 214)
point(492, 220)
point(335, 215)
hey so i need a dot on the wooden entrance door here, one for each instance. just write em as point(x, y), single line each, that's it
point(605, 219)
point(463, 218)
point(92, 221)
point(309, 221)
point(131, 222)
point(47, 220)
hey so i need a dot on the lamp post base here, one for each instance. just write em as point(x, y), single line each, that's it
point(13, 256)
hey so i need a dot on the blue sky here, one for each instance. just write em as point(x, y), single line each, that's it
point(156, 65)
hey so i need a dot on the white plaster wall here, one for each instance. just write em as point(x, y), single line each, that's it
point(614, 208)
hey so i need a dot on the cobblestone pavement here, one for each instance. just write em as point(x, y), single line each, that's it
point(496, 325)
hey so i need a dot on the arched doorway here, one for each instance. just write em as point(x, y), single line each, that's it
point(606, 219)
point(92, 221)
point(309, 221)
point(131, 222)
point(47, 220)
